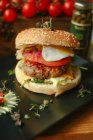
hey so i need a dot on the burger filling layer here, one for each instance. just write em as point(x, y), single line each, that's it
point(35, 65)
point(41, 71)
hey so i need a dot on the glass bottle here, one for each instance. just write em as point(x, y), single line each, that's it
point(81, 25)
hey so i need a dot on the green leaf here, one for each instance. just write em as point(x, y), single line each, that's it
point(35, 80)
point(11, 72)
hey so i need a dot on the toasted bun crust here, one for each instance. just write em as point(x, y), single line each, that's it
point(47, 89)
point(44, 36)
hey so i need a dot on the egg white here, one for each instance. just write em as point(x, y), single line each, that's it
point(53, 54)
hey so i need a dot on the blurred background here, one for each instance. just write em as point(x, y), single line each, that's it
point(70, 15)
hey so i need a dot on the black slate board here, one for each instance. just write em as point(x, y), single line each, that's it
point(61, 107)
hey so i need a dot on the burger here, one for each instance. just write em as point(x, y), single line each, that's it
point(45, 61)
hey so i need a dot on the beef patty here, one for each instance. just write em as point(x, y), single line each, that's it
point(41, 71)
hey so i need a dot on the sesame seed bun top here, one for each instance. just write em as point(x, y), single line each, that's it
point(44, 36)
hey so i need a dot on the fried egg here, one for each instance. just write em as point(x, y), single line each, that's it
point(54, 54)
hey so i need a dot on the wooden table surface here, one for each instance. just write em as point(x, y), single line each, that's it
point(78, 126)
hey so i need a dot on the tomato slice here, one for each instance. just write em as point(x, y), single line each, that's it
point(37, 57)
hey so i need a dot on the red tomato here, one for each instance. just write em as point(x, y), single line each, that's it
point(29, 10)
point(16, 4)
point(37, 57)
point(56, 1)
point(1, 97)
point(3, 4)
point(9, 15)
point(42, 6)
point(54, 9)
point(68, 7)
point(32, 1)
point(47, 1)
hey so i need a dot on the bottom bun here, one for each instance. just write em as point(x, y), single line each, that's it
point(43, 88)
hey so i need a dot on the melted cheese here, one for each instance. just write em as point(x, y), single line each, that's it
point(53, 54)
point(58, 81)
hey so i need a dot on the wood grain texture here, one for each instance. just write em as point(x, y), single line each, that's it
point(77, 127)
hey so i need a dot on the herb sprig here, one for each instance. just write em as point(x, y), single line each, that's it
point(4, 85)
point(83, 68)
point(83, 91)
point(37, 109)
point(46, 24)
point(16, 117)
point(11, 72)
